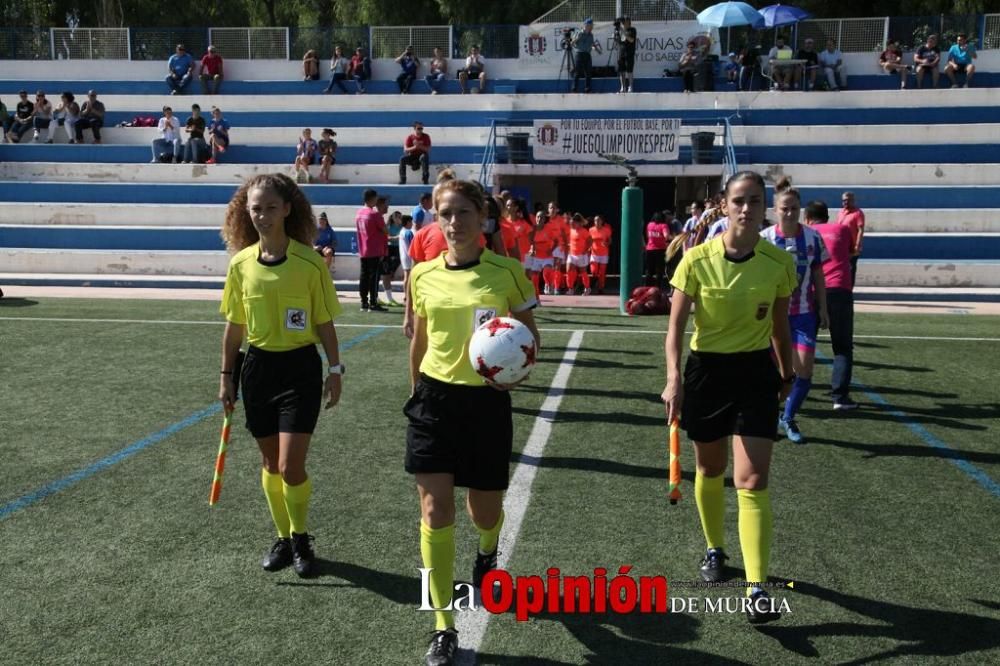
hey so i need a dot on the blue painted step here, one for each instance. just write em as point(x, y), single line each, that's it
point(963, 153)
point(330, 195)
point(294, 86)
point(915, 247)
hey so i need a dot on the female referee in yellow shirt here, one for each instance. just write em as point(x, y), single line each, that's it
point(279, 292)
point(460, 430)
point(740, 285)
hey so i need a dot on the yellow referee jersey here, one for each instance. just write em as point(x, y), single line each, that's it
point(733, 299)
point(281, 304)
point(455, 300)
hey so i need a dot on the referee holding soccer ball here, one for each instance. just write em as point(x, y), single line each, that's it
point(279, 295)
point(460, 429)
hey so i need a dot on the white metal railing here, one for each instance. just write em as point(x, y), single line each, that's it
point(991, 32)
point(852, 35)
point(89, 43)
point(389, 41)
point(250, 43)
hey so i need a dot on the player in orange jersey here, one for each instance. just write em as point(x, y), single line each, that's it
point(600, 250)
point(558, 220)
point(543, 242)
point(579, 254)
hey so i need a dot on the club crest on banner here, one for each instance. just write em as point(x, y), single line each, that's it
point(547, 134)
point(535, 45)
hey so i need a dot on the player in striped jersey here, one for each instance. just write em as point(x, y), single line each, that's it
point(808, 301)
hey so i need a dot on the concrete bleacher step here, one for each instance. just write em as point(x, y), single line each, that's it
point(942, 273)
point(859, 175)
point(341, 174)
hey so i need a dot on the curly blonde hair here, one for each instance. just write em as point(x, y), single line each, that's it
point(238, 231)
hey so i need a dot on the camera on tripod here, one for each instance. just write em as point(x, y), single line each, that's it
point(567, 38)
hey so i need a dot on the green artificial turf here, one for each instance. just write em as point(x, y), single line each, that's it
point(888, 538)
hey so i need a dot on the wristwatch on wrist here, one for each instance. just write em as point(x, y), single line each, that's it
point(337, 369)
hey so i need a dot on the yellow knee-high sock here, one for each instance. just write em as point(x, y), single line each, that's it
point(437, 549)
point(709, 495)
point(489, 538)
point(275, 501)
point(297, 504)
point(755, 534)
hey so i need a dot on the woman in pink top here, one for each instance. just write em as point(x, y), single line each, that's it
point(657, 238)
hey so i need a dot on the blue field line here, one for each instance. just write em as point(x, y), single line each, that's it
point(976, 474)
point(50, 489)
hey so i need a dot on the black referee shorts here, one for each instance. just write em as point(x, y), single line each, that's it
point(282, 391)
point(467, 431)
point(730, 394)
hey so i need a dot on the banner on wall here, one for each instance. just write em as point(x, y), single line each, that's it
point(587, 139)
point(659, 45)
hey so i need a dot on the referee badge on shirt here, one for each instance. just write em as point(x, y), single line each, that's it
point(295, 319)
point(483, 315)
point(762, 309)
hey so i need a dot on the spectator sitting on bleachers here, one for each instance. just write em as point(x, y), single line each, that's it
point(67, 114)
point(832, 62)
point(689, 64)
point(180, 68)
point(784, 75)
point(439, 72)
point(23, 115)
point(42, 119)
point(475, 68)
point(326, 241)
point(960, 57)
point(91, 117)
point(732, 69)
point(927, 58)
point(410, 64)
point(811, 66)
point(305, 154)
point(327, 154)
point(170, 137)
point(218, 134)
point(361, 69)
point(891, 61)
point(211, 71)
point(339, 66)
point(416, 154)
point(5, 121)
point(195, 150)
point(310, 66)
point(749, 59)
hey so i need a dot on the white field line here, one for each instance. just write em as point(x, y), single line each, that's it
point(471, 625)
point(616, 331)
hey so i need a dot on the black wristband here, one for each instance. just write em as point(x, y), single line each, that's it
point(791, 379)
point(226, 372)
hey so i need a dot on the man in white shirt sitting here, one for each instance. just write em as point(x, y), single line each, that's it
point(475, 67)
point(783, 74)
point(831, 61)
point(170, 137)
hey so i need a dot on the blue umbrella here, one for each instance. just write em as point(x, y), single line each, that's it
point(728, 14)
point(776, 16)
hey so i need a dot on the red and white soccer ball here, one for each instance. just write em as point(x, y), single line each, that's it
point(502, 350)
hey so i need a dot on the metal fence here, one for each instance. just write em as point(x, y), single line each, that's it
point(494, 41)
point(250, 43)
point(852, 35)
point(90, 43)
point(389, 41)
point(323, 40)
point(160, 43)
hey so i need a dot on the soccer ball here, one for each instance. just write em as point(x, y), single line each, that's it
point(502, 350)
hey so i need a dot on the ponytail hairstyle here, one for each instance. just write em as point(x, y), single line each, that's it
point(699, 231)
point(784, 187)
point(447, 180)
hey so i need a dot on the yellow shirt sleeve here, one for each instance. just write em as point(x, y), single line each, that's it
point(685, 278)
point(419, 305)
point(232, 297)
point(522, 293)
point(325, 304)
